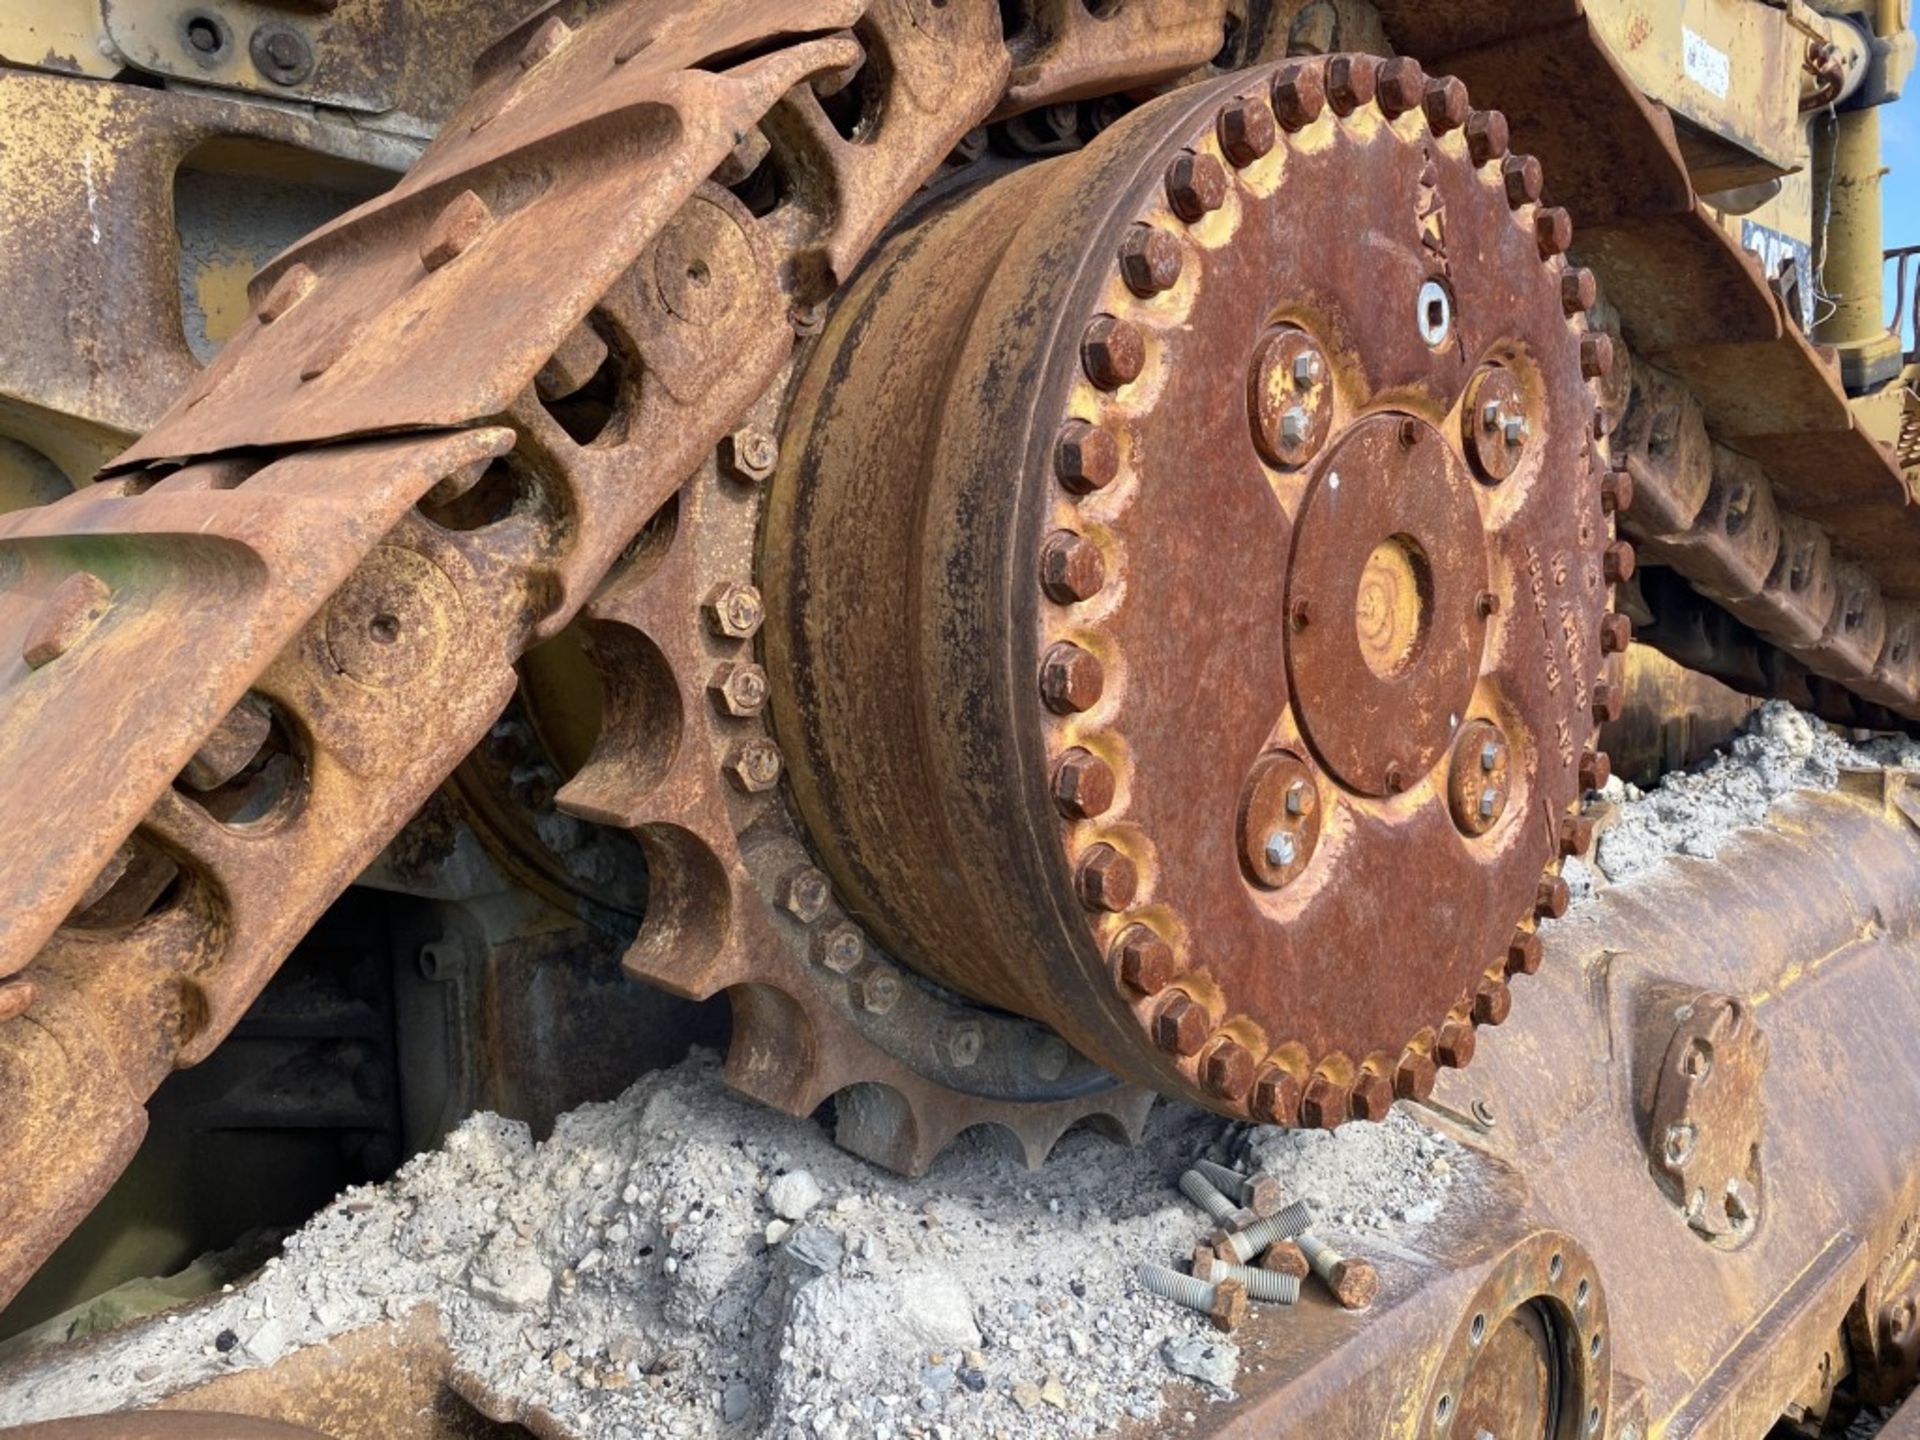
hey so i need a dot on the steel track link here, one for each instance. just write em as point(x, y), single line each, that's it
point(293, 722)
point(351, 306)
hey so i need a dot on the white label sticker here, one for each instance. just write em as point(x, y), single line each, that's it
point(1707, 67)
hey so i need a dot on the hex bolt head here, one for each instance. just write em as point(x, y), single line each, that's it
point(1579, 291)
point(739, 689)
point(1083, 785)
point(1607, 702)
point(1246, 131)
point(1299, 95)
point(1229, 1305)
point(455, 230)
point(1352, 81)
point(1523, 953)
point(1454, 1046)
point(1595, 770)
point(1284, 1257)
point(1180, 1025)
point(1402, 86)
point(1325, 1104)
point(735, 610)
point(74, 608)
point(1112, 352)
point(1149, 260)
point(1106, 879)
point(875, 990)
point(1576, 834)
point(1616, 492)
point(1616, 634)
point(1144, 960)
point(1071, 679)
point(804, 893)
point(1522, 176)
point(296, 282)
point(1196, 186)
point(1414, 1076)
point(1085, 458)
point(1596, 355)
point(1071, 568)
point(1616, 562)
point(1487, 136)
point(962, 1042)
point(751, 454)
point(1353, 1282)
point(1550, 897)
point(754, 767)
point(1492, 1002)
point(1049, 1058)
point(1552, 231)
point(1264, 1195)
point(840, 948)
point(1446, 105)
point(1276, 1096)
point(1226, 1070)
point(1372, 1096)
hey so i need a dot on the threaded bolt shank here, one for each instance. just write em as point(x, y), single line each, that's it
point(1197, 1188)
point(1292, 1221)
point(1265, 1285)
point(1188, 1290)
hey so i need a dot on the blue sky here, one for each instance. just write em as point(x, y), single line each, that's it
point(1900, 143)
point(1900, 192)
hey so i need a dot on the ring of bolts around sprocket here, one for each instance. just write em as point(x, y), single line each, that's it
point(1283, 1087)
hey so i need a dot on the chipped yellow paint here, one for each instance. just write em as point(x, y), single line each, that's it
point(220, 287)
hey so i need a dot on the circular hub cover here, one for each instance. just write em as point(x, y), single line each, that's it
point(1138, 589)
point(1389, 563)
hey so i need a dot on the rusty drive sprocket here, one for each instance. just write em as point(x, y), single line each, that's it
point(1186, 577)
point(1130, 388)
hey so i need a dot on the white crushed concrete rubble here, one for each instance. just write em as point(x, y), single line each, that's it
point(680, 1262)
point(620, 1275)
point(1692, 812)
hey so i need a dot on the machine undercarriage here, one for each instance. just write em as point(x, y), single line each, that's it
point(1050, 554)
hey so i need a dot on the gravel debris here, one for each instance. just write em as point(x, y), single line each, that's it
point(1692, 812)
point(681, 1262)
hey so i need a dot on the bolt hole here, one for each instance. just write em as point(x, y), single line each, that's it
point(1593, 1419)
point(1555, 1268)
point(206, 37)
point(1580, 1294)
point(384, 628)
point(1698, 1060)
point(1434, 314)
point(1443, 1411)
point(1477, 1331)
point(1594, 1346)
point(699, 274)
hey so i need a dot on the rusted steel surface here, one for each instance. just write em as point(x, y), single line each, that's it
point(391, 1381)
point(1566, 1289)
point(568, 267)
point(187, 898)
point(150, 1425)
point(1174, 352)
point(94, 349)
point(1658, 1327)
point(1698, 307)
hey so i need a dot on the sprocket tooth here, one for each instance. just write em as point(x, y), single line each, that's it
point(774, 1053)
point(687, 945)
point(879, 1123)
